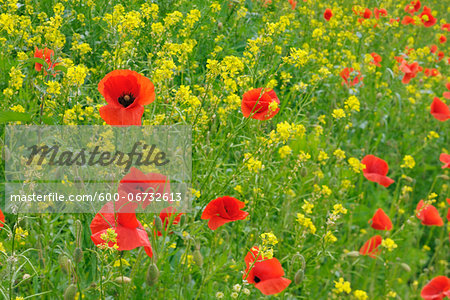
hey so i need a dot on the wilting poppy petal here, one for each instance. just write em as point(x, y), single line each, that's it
point(445, 159)
point(380, 221)
point(376, 170)
point(223, 210)
point(437, 289)
point(256, 104)
point(428, 214)
point(371, 247)
point(440, 110)
point(2, 219)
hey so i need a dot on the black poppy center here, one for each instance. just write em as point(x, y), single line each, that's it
point(126, 99)
point(257, 279)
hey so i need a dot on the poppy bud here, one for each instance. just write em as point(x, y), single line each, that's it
point(70, 292)
point(122, 279)
point(78, 232)
point(158, 224)
point(405, 267)
point(379, 95)
point(182, 220)
point(301, 258)
point(152, 274)
point(77, 255)
point(198, 258)
point(407, 178)
point(445, 177)
point(64, 263)
point(220, 25)
point(353, 254)
point(303, 172)
point(298, 278)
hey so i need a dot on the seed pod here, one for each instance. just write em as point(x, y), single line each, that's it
point(158, 224)
point(152, 274)
point(64, 263)
point(298, 278)
point(198, 258)
point(70, 292)
point(78, 255)
point(122, 279)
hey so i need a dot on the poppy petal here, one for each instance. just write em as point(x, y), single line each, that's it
point(273, 286)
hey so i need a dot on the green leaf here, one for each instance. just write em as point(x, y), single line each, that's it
point(37, 60)
point(11, 116)
point(60, 68)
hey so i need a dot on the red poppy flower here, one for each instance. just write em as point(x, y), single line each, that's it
point(446, 26)
point(126, 93)
point(167, 214)
point(327, 14)
point(347, 73)
point(440, 110)
point(441, 55)
point(376, 170)
point(376, 59)
point(408, 20)
point(130, 233)
point(47, 55)
point(437, 289)
point(256, 104)
point(446, 95)
point(367, 13)
point(445, 159)
point(442, 39)
point(293, 4)
point(413, 7)
point(410, 71)
point(427, 18)
point(433, 48)
point(428, 214)
point(223, 210)
point(266, 275)
point(431, 72)
point(372, 247)
point(2, 219)
point(379, 12)
point(135, 183)
point(380, 221)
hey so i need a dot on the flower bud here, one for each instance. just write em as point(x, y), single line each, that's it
point(78, 232)
point(182, 220)
point(303, 172)
point(298, 278)
point(405, 267)
point(64, 263)
point(152, 274)
point(70, 292)
point(77, 255)
point(198, 258)
point(353, 254)
point(122, 279)
point(158, 223)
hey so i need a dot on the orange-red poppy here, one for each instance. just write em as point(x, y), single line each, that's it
point(167, 214)
point(440, 110)
point(376, 59)
point(446, 26)
point(380, 12)
point(431, 72)
point(266, 275)
point(433, 48)
point(442, 39)
point(130, 233)
point(372, 246)
point(446, 95)
point(223, 210)
point(380, 221)
point(427, 18)
point(293, 4)
point(376, 170)
point(256, 104)
point(47, 55)
point(2, 219)
point(350, 77)
point(413, 7)
point(408, 20)
point(126, 93)
point(445, 159)
point(428, 214)
point(327, 14)
point(367, 13)
point(437, 289)
point(410, 71)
